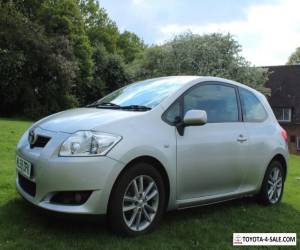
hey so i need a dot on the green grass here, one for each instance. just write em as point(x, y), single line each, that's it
point(210, 227)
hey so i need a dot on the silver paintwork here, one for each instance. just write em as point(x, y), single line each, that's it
point(209, 163)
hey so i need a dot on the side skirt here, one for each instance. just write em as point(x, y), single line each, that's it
point(208, 200)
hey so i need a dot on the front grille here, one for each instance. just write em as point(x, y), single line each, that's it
point(28, 186)
point(40, 142)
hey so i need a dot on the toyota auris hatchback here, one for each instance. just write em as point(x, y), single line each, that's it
point(155, 145)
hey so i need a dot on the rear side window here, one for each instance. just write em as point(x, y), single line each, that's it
point(219, 102)
point(253, 110)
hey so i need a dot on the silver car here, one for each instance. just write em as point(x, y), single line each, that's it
point(155, 145)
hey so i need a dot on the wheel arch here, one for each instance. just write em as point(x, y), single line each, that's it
point(277, 157)
point(156, 164)
point(282, 160)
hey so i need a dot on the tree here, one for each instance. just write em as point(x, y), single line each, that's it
point(99, 27)
point(295, 57)
point(63, 18)
point(109, 73)
point(190, 54)
point(55, 54)
point(130, 46)
point(37, 71)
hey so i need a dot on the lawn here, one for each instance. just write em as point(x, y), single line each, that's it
point(210, 227)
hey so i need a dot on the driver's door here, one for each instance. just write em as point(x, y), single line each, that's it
point(210, 158)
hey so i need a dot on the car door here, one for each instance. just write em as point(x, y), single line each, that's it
point(210, 157)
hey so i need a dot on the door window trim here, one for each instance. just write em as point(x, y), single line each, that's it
point(180, 99)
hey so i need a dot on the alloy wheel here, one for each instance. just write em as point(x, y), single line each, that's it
point(274, 185)
point(140, 203)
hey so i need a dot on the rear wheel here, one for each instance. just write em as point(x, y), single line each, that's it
point(137, 201)
point(273, 184)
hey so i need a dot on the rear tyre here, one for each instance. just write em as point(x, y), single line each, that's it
point(137, 201)
point(273, 184)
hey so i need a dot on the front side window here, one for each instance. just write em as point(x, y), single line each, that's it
point(253, 110)
point(283, 114)
point(219, 102)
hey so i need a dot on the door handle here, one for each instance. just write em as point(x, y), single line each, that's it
point(241, 138)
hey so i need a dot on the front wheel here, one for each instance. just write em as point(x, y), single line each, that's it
point(273, 184)
point(137, 201)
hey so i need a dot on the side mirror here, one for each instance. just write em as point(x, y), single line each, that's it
point(191, 118)
point(195, 118)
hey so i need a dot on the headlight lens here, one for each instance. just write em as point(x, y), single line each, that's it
point(88, 143)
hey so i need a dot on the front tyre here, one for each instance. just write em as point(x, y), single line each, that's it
point(138, 200)
point(273, 184)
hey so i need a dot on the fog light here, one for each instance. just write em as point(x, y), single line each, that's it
point(70, 197)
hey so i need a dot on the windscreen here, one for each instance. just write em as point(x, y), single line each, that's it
point(147, 93)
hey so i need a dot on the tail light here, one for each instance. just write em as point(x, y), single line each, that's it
point(284, 134)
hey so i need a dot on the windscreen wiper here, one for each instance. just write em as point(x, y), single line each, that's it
point(104, 105)
point(110, 105)
point(136, 107)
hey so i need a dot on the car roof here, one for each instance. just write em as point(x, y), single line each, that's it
point(191, 80)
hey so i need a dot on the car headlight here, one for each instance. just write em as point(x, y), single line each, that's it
point(88, 143)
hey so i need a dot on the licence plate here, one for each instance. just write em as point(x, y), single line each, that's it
point(23, 166)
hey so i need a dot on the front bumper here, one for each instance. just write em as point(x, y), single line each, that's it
point(52, 174)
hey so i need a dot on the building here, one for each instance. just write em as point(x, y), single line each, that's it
point(284, 82)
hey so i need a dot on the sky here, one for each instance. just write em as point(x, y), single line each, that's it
point(267, 30)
